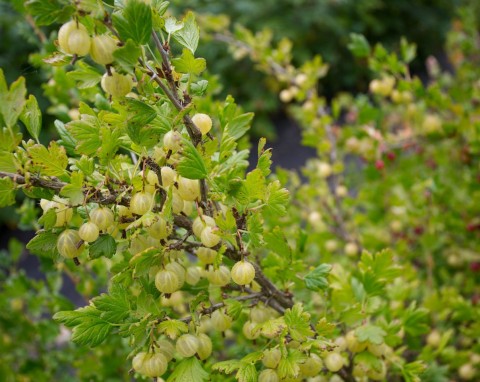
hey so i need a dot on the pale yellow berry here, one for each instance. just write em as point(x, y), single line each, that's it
point(203, 122)
point(187, 345)
point(141, 203)
point(243, 273)
point(188, 189)
point(88, 232)
point(209, 238)
point(102, 49)
point(67, 244)
point(117, 85)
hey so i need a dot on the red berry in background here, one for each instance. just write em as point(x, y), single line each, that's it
point(475, 266)
point(418, 230)
point(379, 164)
point(471, 227)
point(475, 299)
point(391, 156)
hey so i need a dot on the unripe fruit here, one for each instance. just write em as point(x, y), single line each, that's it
point(154, 365)
point(152, 178)
point(141, 203)
point(220, 276)
point(200, 222)
point(168, 176)
point(138, 361)
point(260, 314)
point(177, 203)
point(206, 255)
point(434, 338)
point(64, 214)
point(166, 348)
point(378, 375)
point(172, 141)
point(193, 275)
point(341, 191)
point(249, 330)
point(102, 49)
point(209, 238)
point(286, 95)
point(268, 375)
point(204, 346)
point(351, 249)
point(179, 270)
point(187, 345)
point(243, 273)
point(221, 321)
point(271, 357)
point(353, 344)
point(160, 229)
point(187, 208)
point(102, 217)
point(432, 123)
point(88, 232)
point(188, 189)
point(324, 169)
point(312, 366)
point(67, 244)
point(117, 85)
point(334, 362)
point(167, 281)
point(376, 350)
point(73, 38)
point(466, 371)
point(203, 122)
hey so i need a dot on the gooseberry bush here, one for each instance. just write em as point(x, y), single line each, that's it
point(197, 265)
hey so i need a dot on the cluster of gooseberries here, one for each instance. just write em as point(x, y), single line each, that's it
point(74, 39)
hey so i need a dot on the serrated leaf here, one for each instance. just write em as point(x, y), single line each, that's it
point(48, 219)
point(88, 327)
point(317, 279)
point(276, 199)
point(247, 373)
point(8, 163)
point(52, 161)
point(191, 165)
point(239, 125)
point(189, 35)
point(58, 59)
point(264, 157)
point(127, 56)
point(298, 323)
point(324, 328)
point(188, 370)
point(47, 12)
point(188, 64)
point(199, 88)
point(415, 320)
point(32, 117)
point(255, 185)
point(172, 328)
point(227, 367)
point(104, 246)
point(12, 101)
point(413, 371)
point(134, 22)
point(288, 367)
point(7, 192)
point(273, 327)
point(114, 307)
point(371, 333)
point(74, 190)
point(253, 357)
point(9, 139)
point(44, 244)
point(66, 140)
point(233, 308)
point(86, 134)
point(85, 76)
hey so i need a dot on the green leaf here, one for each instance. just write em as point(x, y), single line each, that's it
point(86, 134)
point(134, 22)
point(247, 373)
point(189, 35)
point(9, 139)
point(188, 370)
point(239, 125)
point(188, 64)
point(199, 88)
point(115, 306)
point(277, 242)
point(172, 328)
point(227, 367)
point(66, 140)
point(74, 190)
point(233, 308)
point(371, 333)
point(317, 279)
point(359, 45)
point(416, 320)
point(298, 323)
point(288, 366)
point(86, 76)
point(12, 101)
point(47, 12)
point(52, 162)
point(264, 157)
point(191, 165)
point(172, 25)
point(104, 246)
point(7, 192)
point(139, 113)
point(32, 117)
point(276, 199)
point(8, 163)
point(48, 219)
point(255, 185)
point(413, 371)
point(324, 328)
point(88, 326)
point(127, 56)
point(44, 244)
